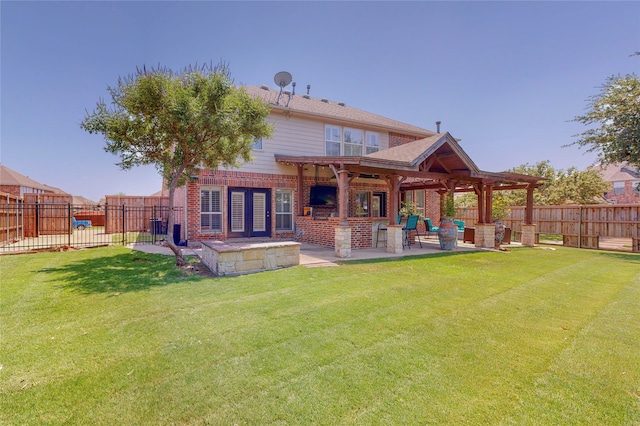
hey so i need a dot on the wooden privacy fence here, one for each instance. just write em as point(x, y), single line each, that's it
point(47, 214)
point(149, 208)
point(11, 217)
point(580, 225)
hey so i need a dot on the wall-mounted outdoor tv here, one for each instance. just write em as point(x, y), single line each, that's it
point(323, 195)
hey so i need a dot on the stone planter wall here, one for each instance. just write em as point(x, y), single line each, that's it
point(226, 259)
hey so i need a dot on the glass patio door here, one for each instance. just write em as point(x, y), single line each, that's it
point(249, 212)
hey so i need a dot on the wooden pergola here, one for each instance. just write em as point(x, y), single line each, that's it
point(436, 163)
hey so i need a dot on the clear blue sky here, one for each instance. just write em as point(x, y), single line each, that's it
point(505, 77)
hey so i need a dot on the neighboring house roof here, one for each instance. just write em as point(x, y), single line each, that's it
point(12, 178)
point(328, 109)
point(80, 200)
point(161, 193)
point(618, 172)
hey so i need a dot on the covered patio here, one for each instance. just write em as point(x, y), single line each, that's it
point(435, 163)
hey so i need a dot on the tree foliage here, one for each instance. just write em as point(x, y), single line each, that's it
point(179, 122)
point(615, 116)
point(560, 187)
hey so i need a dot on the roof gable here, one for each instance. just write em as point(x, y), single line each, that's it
point(618, 172)
point(439, 153)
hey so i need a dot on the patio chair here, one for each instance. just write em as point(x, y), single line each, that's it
point(411, 225)
point(429, 226)
point(459, 224)
point(383, 227)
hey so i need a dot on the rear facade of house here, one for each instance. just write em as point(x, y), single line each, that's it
point(261, 199)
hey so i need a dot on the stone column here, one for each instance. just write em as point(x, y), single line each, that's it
point(485, 235)
point(528, 235)
point(394, 239)
point(343, 241)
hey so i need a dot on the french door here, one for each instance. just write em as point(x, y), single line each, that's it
point(249, 212)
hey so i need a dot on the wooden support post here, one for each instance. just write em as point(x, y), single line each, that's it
point(480, 193)
point(300, 191)
point(343, 188)
point(528, 211)
point(489, 204)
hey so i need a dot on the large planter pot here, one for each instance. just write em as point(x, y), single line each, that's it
point(500, 230)
point(447, 234)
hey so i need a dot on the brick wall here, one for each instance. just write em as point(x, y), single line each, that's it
point(629, 196)
point(322, 232)
point(226, 179)
point(396, 139)
point(10, 189)
point(319, 232)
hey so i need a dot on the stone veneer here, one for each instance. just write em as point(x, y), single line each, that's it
point(225, 259)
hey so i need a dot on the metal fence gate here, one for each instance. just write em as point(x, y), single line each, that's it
point(36, 226)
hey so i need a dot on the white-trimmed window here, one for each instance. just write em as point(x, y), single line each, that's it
point(284, 210)
point(211, 209)
point(257, 144)
point(618, 188)
point(353, 140)
point(349, 142)
point(333, 140)
point(373, 142)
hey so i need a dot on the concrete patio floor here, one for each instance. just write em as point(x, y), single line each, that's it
point(318, 256)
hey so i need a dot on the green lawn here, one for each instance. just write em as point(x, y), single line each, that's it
point(529, 336)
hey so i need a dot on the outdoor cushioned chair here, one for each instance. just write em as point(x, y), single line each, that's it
point(459, 224)
point(411, 225)
point(429, 226)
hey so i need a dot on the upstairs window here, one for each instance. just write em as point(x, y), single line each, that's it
point(333, 139)
point(353, 140)
point(257, 144)
point(373, 142)
point(349, 142)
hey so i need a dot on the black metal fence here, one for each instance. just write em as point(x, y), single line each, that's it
point(26, 227)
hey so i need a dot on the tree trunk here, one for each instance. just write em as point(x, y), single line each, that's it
point(180, 262)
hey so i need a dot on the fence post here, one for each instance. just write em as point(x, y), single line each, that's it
point(580, 227)
point(123, 225)
point(153, 223)
point(8, 214)
point(69, 224)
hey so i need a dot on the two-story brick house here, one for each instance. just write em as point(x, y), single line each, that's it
point(330, 167)
point(625, 183)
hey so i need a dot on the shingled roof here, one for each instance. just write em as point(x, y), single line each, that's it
point(326, 108)
point(12, 178)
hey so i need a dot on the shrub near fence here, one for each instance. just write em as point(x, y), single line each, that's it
point(580, 225)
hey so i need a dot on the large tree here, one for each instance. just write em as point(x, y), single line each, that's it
point(179, 121)
point(615, 116)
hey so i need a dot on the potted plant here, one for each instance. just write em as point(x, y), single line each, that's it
point(499, 211)
point(447, 231)
point(407, 209)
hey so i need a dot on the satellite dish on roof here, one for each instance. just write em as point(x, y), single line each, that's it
point(282, 79)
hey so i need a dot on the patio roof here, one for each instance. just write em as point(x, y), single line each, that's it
point(435, 162)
